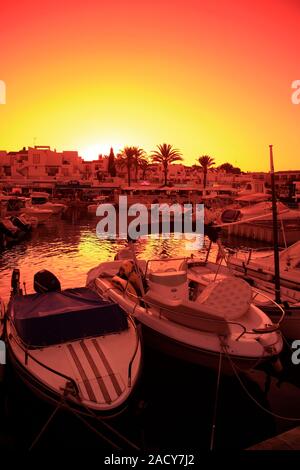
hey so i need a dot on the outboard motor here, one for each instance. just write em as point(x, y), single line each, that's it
point(21, 222)
point(15, 282)
point(45, 281)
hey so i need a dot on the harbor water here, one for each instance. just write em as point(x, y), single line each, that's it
point(174, 403)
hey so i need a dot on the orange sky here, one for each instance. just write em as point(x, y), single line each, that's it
point(208, 76)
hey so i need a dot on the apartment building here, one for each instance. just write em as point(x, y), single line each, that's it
point(40, 163)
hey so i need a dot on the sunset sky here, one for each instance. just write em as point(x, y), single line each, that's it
point(208, 76)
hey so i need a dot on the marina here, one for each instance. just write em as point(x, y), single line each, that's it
point(70, 251)
point(150, 232)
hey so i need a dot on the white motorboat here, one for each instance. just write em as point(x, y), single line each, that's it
point(261, 271)
point(42, 215)
point(258, 212)
point(20, 205)
point(73, 346)
point(220, 319)
point(41, 200)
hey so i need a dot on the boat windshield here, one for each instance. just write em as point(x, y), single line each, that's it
point(166, 265)
point(39, 200)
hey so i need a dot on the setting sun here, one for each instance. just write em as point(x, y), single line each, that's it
point(92, 152)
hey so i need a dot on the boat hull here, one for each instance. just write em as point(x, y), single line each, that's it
point(41, 216)
point(201, 357)
point(263, 231)
point(55, 208)
point(47, 394)
point(90, 373)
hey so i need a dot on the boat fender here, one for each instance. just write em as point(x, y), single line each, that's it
point(127, 271)
point(124, 285)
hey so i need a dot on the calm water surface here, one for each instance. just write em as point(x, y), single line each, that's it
point(69, 250)
point(174, 404)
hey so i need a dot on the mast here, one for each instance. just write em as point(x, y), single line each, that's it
point(275, 230)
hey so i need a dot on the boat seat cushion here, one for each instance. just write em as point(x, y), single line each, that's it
point(229, 298)
point(188, 314)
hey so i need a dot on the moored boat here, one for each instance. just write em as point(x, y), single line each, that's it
point(13, 230)
point(41, 200)
point(16, 206)
point(73, 346)
point(220, 319)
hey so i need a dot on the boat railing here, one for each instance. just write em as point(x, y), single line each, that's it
point(281, 309)
point(138, 341)
point(268, 329)
point(28, 355)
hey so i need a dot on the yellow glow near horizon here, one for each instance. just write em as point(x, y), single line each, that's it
point(207, 76)
point(92, 152)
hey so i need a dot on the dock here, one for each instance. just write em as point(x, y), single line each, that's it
point(264, 232)
point(289, 440)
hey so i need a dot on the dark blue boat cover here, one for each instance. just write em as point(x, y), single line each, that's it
point(57, 317)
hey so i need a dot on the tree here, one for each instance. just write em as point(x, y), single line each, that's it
point(229, 168)
point(126, 158)
point(138, 156)
point(111, 164)
point(145, 165)
point(165, 156)
point(205, 163)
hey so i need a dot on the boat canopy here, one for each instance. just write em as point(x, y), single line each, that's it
point(57, 317)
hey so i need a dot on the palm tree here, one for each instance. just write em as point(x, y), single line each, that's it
point(165, 155)
point(139, 154)
point(205, 163)
point(126, 158)
point(145, 165)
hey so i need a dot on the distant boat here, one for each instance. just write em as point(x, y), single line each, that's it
point(73, 346)
point(41, 200)
point(92, 208)
point(14, 229)
point(259, 211)
point(20, 205)
point(261, 271)
point(221, 319)
point(255, 221)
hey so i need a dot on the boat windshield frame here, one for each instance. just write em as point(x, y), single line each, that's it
point(183, 260)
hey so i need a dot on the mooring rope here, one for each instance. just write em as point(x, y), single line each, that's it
point(109, 427)
point(213, 429)
point(63, 404)
point(275, 415)
point(46, 425)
